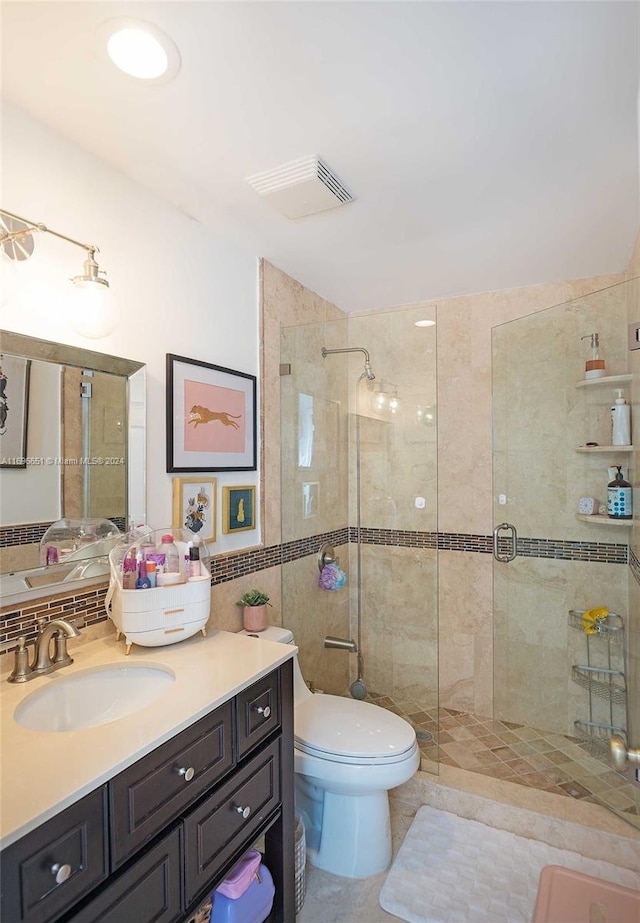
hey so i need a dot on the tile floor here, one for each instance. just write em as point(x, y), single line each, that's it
point(330, 899)
point(518, 753)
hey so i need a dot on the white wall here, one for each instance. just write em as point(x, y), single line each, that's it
point(179, 288)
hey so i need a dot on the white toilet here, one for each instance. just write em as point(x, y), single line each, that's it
point(348, 754)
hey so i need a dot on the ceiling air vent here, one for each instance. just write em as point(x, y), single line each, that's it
point(301, 187)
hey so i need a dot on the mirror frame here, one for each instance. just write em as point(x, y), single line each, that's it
point(18, 344)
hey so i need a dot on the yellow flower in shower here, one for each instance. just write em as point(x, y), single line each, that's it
point(592, 618)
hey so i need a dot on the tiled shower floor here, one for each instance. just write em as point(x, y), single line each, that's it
point(517, 753)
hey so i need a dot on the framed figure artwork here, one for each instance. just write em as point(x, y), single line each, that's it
point(14, 411)
point(238, 509)
point(194, 506)
point(211, 417)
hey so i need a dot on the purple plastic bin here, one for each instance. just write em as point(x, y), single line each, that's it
point(253, 907)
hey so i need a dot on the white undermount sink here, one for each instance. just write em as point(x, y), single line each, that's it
point(88, 698)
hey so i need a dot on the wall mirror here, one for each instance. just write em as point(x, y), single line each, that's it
point(75, 449)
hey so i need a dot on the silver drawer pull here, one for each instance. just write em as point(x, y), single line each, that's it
point(265, 712)
point(187, 773)
point(244, 811)
point(61, 872)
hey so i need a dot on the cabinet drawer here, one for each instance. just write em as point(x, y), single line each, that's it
point(147, 892)
point(48, 870)
point(219, 826)
point(148, 795)
point(258, 712)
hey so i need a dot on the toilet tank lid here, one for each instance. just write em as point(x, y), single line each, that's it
point(272, 633)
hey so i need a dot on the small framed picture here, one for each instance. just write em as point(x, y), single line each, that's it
point(238, 509)
point(194, 506)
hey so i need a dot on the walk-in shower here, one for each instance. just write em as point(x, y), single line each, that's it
point(358, 688)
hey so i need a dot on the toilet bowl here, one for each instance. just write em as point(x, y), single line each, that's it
point(348, 754)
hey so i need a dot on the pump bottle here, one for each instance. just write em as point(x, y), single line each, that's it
point(620, 421)
point(619, 497)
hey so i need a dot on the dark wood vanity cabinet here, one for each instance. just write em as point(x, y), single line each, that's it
point(155, 840)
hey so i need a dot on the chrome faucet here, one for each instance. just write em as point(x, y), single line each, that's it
point(57, 630)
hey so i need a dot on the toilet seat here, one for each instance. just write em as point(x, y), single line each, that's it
point(346, 731)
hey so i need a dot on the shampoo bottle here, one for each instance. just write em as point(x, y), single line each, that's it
point(620, 421)
point(619, 498)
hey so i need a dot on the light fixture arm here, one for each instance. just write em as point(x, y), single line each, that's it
point(38, 226)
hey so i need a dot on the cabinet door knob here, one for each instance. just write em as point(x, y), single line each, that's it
point(60, 872)
point(265, 712)
point(244, 811)
point(187, 773)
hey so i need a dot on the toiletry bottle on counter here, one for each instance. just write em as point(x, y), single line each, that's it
point(129, 572)
point(194, 561)
point(172, 558)
point(143, 582)
point(620, 421)
point(619, 498)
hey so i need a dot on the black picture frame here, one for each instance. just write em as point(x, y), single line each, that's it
point(211, 417)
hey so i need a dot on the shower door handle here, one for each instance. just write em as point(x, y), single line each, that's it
point(505, 557)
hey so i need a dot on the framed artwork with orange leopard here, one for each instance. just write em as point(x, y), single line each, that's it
point(211, 417)
point(238, 509)
point(194, 506)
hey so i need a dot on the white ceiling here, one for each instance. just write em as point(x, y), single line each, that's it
point(488, 145)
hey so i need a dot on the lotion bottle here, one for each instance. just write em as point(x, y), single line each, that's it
point(620, 421)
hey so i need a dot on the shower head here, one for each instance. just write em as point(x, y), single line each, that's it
point(368, 371)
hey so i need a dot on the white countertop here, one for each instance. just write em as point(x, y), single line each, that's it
point(43, 773)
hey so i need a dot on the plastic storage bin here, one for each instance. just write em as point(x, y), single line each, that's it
point(162, 615)
point(254, 906)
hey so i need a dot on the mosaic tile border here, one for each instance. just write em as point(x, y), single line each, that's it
point(32, 532)
point(634, 564)
point(89, 606)
point(603, 552)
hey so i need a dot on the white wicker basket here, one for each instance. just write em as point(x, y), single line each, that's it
point(300, 863)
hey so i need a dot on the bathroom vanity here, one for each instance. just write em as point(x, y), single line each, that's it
point(139, 818)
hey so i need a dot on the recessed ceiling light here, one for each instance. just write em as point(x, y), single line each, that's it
point(425, 323)
point(140, 50)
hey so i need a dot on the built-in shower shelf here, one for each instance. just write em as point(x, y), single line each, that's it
point(608, 380)
point(591, 449)
point(605, 521)
point(606, 684)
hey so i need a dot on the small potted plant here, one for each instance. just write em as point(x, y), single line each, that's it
point(254, 610)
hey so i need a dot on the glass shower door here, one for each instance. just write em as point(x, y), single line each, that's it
point(559, 687)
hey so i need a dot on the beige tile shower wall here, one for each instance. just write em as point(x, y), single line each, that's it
point(398, 451)
point(465, 492)
point(400, 622)
point(314, 448)
point(284, 302)
point(534, 647)
point(312, 614)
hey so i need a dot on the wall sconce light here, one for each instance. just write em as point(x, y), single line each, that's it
point(384, 398)
point(94, 313)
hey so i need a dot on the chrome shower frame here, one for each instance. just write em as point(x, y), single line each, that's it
point(358, 688)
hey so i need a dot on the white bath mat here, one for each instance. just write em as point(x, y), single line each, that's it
point(453, 870)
